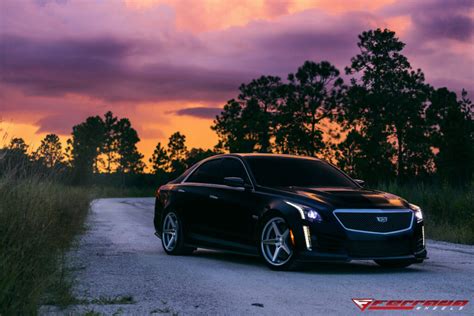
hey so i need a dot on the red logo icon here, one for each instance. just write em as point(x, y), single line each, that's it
point(408, 305)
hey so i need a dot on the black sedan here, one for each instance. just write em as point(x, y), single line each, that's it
point(288, 210)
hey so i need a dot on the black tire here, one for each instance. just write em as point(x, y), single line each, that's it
point(176, 247)
point(284, 261)
point(394, 264)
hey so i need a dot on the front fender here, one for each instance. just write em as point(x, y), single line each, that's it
point(292, 217)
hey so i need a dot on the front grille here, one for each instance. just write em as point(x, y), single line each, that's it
point(375, 221)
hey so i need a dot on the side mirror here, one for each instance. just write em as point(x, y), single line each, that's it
point(360, 182)
point(235, 182)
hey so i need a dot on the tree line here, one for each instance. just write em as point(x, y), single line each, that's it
point(387, 123)
point(101, 145)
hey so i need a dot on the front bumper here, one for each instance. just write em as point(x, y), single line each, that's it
point(341, 245)
point(314, 256)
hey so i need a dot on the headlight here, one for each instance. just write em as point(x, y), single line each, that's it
point(418, 212)
point(306, 212)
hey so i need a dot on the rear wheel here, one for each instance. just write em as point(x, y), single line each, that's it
point(394, 263)
point(172, 236)
point(275, 245)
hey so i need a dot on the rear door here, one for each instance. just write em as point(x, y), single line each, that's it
point(198, 192)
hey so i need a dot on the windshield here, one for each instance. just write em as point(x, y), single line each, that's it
point(287, 171)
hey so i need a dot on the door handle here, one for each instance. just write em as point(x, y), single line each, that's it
point(213, 197)
point(181, 191)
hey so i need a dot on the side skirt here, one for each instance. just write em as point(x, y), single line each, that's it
point(200, 241)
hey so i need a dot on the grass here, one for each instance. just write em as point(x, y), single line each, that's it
point(38, 221)
point(448, 211)
point(91, 313)
point(105, 300)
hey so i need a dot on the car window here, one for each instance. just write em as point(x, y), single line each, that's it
point(183, 175)
point(208, 172)
point(275, 171)
point(234, 168)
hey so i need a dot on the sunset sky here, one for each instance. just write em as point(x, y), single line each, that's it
point(170, 65)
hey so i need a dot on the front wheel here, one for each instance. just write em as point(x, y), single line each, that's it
point(394, 263)
point(172, 236)
point(276, 247)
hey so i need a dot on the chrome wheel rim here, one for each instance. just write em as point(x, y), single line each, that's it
point(170, 231)
point(275, 242)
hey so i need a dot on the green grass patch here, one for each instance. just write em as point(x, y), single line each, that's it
point(105, 300)
point(38, 222)
point(448, 211)
point(91, 313)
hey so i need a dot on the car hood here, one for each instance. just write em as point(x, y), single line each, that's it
point(349, 197)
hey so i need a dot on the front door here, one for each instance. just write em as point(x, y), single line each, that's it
point(232, 207)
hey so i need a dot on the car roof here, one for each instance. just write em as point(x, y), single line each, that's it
point(243, 155)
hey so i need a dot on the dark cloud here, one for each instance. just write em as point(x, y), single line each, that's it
point(455, 26)
point(300, 46)
point(101, 68)
point(200, 112)
point(182, 68)
point(60, 124)
point(427, 6)
point(438, 19)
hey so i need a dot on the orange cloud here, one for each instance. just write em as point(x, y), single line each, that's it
point(400, 24)
point(209, 15)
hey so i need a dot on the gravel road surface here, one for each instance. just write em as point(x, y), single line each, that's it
point(119, 257)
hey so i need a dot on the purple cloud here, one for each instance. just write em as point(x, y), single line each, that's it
point(59, 124)
point(200, 112)
point(101, 68)
point(457, 26)
point(437, 19)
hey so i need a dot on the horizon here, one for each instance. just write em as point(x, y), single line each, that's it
point(171, 66)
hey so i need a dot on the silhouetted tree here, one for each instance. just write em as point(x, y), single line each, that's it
point(18, 145)
point(14, 158)
point(86, 144)
point(246, 123)
point(129, 158)
point(452, 123)
point(386, 105)
point(50, 151)
point(236, 134)
point(311, 96)
point(197, 154)
point(109, 148)
point(177, 152)
point(261, 97)
point(159, 160)
point(107, 144)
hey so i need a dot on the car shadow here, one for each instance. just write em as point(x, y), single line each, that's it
point(355, 267)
